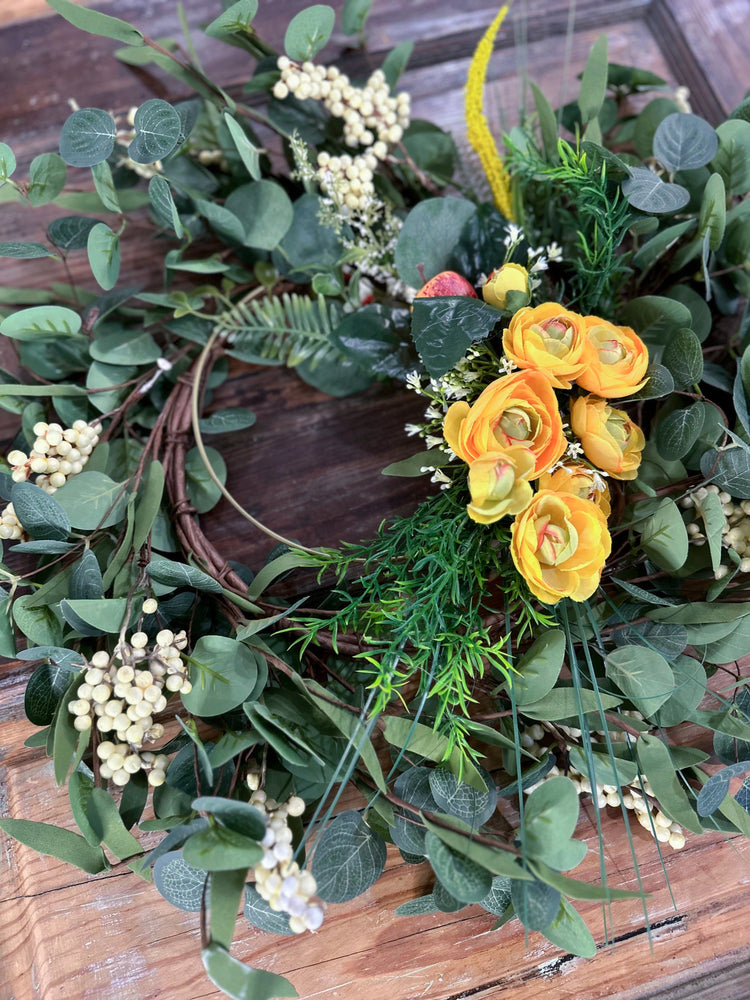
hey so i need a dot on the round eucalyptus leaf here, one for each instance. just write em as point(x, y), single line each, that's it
point(536, 904)
point(158, 129)
point(178, 882)
point(465, 880)
point(349, 857)
point(497, 899)
point(647, 192)
point(265, 211)
point(259, 914)
point(223, 673)
point(39, 513)
point(7, 161)
point(684, 142)
point(309, 31)
point(103, 247)
point(643, 676)
point(428, 237)
point(87, 137)
point(44, 690)
point(459, 799)
point(47, 175)
point(678, 432)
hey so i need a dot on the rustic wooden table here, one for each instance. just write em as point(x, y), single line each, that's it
point(63, 935)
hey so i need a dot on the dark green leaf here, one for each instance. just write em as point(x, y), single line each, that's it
point(729, 469)
point(57, 843)
point(679, 431)
point(44, 689)
point(71, 232)
point(39, 513)
point(428, 237)
point(349, 857)
point(684, 142)
point(86, 579)
point(647, 192)
point(655, 761)
point(174, 574)
point(444, 328)
point(223, 673)
point(88, 135)
point(465, 880)
point(179, 883)
point(158, 129)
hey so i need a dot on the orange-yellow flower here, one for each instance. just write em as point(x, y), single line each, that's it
point(549, 339)
point(615, 359)
point(517, 409)
point(609, 437)
point(499, 484)
point(508, 278)
point(580, 480)
point(559, 545)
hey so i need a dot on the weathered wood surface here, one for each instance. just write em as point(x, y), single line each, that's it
point(65, 935)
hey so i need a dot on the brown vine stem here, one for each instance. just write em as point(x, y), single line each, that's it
point(195, 412)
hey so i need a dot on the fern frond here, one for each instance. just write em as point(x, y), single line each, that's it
point(281, 330)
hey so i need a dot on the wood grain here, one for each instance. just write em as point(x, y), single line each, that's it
point(71, 937)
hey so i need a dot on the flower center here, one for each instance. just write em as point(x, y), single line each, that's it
point(555, 543)
point(617, 425)
point(514, 425)
point(611, 352)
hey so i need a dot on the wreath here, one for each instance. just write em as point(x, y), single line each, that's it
point(573, 587)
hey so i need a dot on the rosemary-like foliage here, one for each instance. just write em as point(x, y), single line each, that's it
point(431, 593)
point(573, 202)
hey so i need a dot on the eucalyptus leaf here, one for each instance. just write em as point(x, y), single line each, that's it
point(105, 819)
point(158, 129)
point(656, 763)
point(97, 23)
point(163, 205)
point(87, 137)
point(223, 673)
point(47, 175)
point(647, 192)
point(258, 913)
point(41, 322)
point(349, 858)
point(308, 32)
point(643, 676)
point(71, 232)
point(239, 981)
point(265, 211)
point(86, 579)
point(249, 155)
point(24, 251)
point(537, 670)
point(57, 843)
point(535, 903)
point(41, 515)
point(180, 883)
point(92, 500)
point(94, 618)
point(429, 236)
point(473, 806)
point(174, 574)
point(684, 142)
point(713, 217)
point(218, 848)
point(103, 248)
point(664, 536)
point(465, 880)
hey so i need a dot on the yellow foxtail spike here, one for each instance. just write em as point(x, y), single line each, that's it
point(477, 129)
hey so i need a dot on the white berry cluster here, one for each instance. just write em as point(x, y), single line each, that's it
point(57, 454)
point(123, 692)
point(372, 118)
point(637, 796)
point(736, 529)
point(10, 526)
point(278, 878)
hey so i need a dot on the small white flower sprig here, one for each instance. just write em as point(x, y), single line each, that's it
point(372, 118)
point(123, 692)
point(278, 878)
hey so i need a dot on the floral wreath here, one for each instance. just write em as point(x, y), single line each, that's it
point(573, 586)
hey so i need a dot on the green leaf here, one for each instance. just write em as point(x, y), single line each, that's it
point(465, 880)
point(712, 515)
point(471, 805)
point(44, 689)
point(71, 232)
point(236, 19)
point(101, 174)
point(429, 236)
point(179, 883)
point(148, 503)
point(225, 892)
point(656, 763)
point(106, 821)
point(92, 500)
point(498, 860)
point(249, 155)
point(174, 574)
point(309, 31)
point(444, 328)
point(86, 579)
point(643, 676)
point(550, 818)
point(223, 673)
point(354, 15)
point(664, 536)
point(7, 162)
point(536, 672)
point(497, 899)
point(57, 843)
point(220, 849)
point(259, 914)
point(349, 858)
point(729, 469)
point(158, 129)
point(732, 159)
point(41, 323)
point(94, 618)
point(562, 703)
point(396, 61)
point(202, 491)
point(647, 192)
point(97, 23)
point(88, 136)
point(47, 175)
point(713, 217)
point(125, 347)
point(678, 432)
point(238, 816)
point(265, 211)
point(24, 251)
point(239, 981)
point(684, 142)
point(67, 741)
point(569, 931)
point(80, 787)
point(162, 202)
point(534, 903)
point(594, 81)
point(39, 624)
point(576, 889)
point(425, 742)
point(103, 248)
point(657, 246)
point(234, 418)
point(417, 465)
point(39, 513)
point(606, 770)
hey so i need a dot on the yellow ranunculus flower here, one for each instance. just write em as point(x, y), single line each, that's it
point(580, 480)
point(549, 339)
point(517, 409)
point(508, 278)
point(499, 484)
point(615, 359)
point(609, 437)
point(559, 545)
